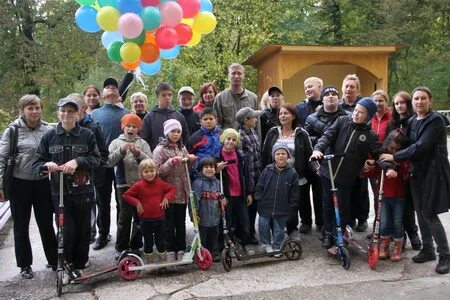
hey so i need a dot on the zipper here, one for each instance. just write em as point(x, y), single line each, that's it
point(276, 192)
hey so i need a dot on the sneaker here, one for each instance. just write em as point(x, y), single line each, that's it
point(87, 264)
point(100, 243)
point(117, 255)
point(171, 256)
point(216, 258)
point(92, 240)
point(443, 264)
point(269, 249)
point(180, 255)
point(362, 226)
point(279, 254)
point(424, 255)
point(304, 228)
point(27, 273)
point(253, 241)
point(416, 243)
point(65, 279)
point(327, 241)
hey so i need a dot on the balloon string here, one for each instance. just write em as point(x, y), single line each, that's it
point(139, 78)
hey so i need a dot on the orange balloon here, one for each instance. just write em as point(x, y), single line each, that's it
point(131, 65)
point(150, 37)
point(149, 53)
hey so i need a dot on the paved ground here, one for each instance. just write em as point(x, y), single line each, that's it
point(315, 276)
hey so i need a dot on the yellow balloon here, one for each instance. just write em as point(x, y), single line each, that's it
point(108, 18)
point(204, 22)
point(130, 52)
point(189, 21)
point(196, 38)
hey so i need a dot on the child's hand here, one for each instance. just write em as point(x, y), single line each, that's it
point(164, 203)
point(249, 200)
point(139, 208)
point(176, 160)
point(192, 157)
point(391, 174)
point(223, 203)
point(51, 166)
point(124, 148)
point(69, 167)
point(317, 154)
point(136, 152)
point(369, 165)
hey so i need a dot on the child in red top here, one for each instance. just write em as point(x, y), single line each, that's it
point(151, 197)
point(394, 192)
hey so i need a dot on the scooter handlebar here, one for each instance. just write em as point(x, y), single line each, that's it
point(328, 157)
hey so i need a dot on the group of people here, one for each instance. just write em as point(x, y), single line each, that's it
point(242, 161)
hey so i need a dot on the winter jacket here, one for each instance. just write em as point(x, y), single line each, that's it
point(108, 117)
point(170, 172)
point(380, 126)
point(207, 200)
point(247, 185)
point(192, 119)
point(348, 107)
point(60, 146)
point(153, 129)
point(429, 157)
point(200, 106)
point(335, 140)
point(401, 123)
point(317, 123)
point(205, 143)
point(302, 153)
point(306, 108)
point(269, 118)
point(27, 142)
point(150, 194)
point(277, 192)
point(251, 147)
point(89, 123)
point(126, 165)
point(392, 187)
point(227, 104)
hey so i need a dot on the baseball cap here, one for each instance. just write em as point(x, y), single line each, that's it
point(273, 89)
point(186, 89)
point(110, 81)
point(246, 112)
point(67, 101)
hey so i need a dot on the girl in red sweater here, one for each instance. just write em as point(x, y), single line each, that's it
point(151, 197)
point(392, 205)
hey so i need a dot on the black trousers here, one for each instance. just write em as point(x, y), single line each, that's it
point(24, 195)
point(344, 202)
point(77, 228)
point(153, 232)
point(409, 216)
point(210, 239)
point(360, 203)
point(128, 223)
point(175, 227)
point(104, 190)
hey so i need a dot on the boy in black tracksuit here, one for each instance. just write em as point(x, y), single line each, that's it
point(354, 137)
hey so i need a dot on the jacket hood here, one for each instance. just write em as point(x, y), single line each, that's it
point(156, 109)
point(20, 121)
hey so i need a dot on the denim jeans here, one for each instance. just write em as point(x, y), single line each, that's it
point(392, 217)
point(329, 215)
point(271, 230)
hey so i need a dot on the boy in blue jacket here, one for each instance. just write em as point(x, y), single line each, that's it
point(277, 193)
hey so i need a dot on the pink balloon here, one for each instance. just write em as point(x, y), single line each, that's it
point(171, 14)
point(166, 37)
point(190, 7)
point(130, 25)
point(145, 3)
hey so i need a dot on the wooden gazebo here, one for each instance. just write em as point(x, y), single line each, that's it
point(288, 66)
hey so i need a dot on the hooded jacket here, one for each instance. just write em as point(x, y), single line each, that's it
point(27, 142)
point(277, 191)
point(207, 200)
point(317, 123)
point(153, 129)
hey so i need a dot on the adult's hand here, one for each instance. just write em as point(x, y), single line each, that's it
point(386, 157)
point(317, 155)
point(51, 167)
point(69, 167)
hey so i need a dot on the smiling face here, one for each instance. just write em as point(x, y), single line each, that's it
point(359, 114)
point(92, 98)
point(281, 157)
point(209, 171)
point(32, 113)
point(230, 142)
point(67, 115)
point(421, 102)
point(186, 100)
point(285, 117)
point(312, 90)
point(148, 173)
point(139, 104)
point(208, 96)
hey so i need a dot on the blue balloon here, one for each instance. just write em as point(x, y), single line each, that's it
point(103, 3)
point(132, 6)
point(150, 69)
point(170, 53)
point(109, 37)
point(85, 17)
point(206, 5)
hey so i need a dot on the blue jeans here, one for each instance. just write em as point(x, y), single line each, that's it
point(276, 225)
point(392, 217)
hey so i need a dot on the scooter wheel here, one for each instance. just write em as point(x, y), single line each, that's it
point(207, 261)
point(373, 256)
point(124, 268)
point(59, 282)
point(292, 249)
point(345, 257)
point(227, 261)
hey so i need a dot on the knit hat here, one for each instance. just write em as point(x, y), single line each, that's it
point(170, 125)
point(280, 145)
point(327, 89)
point(370, 106)
point(130, 119)
point(227, 132)
point(246, 112)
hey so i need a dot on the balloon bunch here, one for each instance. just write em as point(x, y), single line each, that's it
point(137, 33)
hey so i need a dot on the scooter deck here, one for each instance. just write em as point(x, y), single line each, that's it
point(159, 265)
point(356, 244)
point(102, 270)
point(243, 257)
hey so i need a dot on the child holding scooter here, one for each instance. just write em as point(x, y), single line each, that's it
point(238, 185)
point(169, 155)
point(353, 136)
point(208, 201)
point(393, 202)
point(277, 193)
point(125, 153)
point(151, 197)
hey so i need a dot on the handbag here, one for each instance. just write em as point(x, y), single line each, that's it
point(11, 160)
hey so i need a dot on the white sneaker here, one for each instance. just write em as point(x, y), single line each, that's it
point(269, 249)
point(87, 264)
point(279, 254)
point(65, 279)
point(180, 255)
point(170, 256)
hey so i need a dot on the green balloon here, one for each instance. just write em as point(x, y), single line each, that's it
point(114, 51)
point(85, 2)
point(150, 17)
point(103, 3)
point(138, 40)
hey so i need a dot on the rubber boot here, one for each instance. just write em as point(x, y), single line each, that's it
point(397, 254)
point(148, 258)
point(383, 252)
